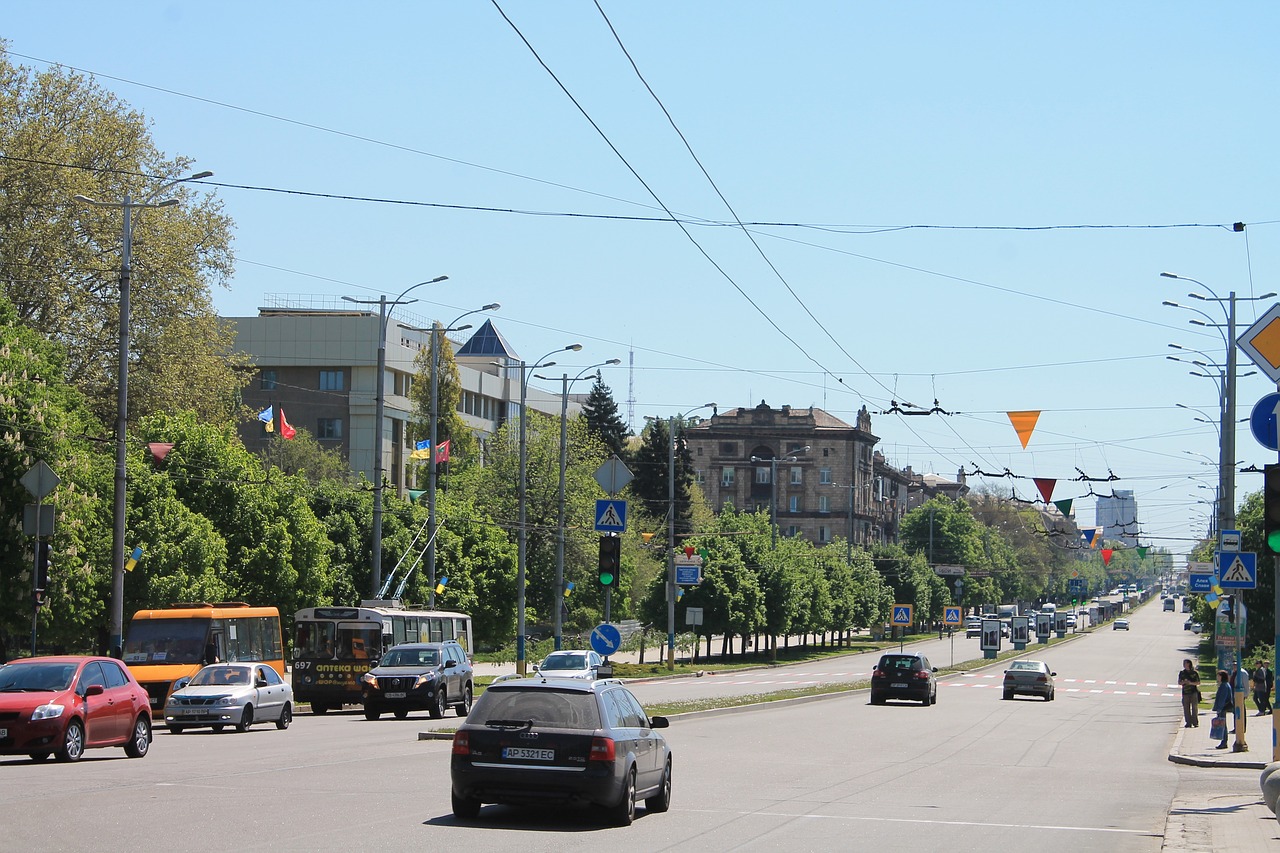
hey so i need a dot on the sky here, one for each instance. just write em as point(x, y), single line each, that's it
point(832, 204)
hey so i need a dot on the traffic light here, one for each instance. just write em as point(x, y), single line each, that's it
point(1271, 507)
point(43, 560)
point(610, 560)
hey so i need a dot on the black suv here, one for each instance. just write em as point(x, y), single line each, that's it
point(417, 677)
point(904, 675)
point(561, 741)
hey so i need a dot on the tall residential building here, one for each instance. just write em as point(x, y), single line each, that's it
point(1117, 514)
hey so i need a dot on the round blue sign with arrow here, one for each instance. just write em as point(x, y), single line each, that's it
point(605, 639)
point(1262, 421)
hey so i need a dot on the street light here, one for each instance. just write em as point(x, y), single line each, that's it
point(773, 490)
point(127, 206)
point(564, 463)
point(523, 487)
point(431, 465)
point(384, 314)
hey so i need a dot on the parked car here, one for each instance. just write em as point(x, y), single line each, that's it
point(419, 677)
point(571, 663)
point(230, 694)
point(555, 741)
point(904, 675)
point(1196, 627)
point(1032, 677)
point(63, 705)
point(1120, 625)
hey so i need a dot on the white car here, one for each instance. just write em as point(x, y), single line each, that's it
point(230, 694)
point(571, 663)
point(1120, 625)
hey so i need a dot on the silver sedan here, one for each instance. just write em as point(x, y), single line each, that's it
point(1029, 676)
point(230, 694)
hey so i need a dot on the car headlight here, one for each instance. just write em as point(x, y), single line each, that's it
point(423, 681)
point(370, 679)
point(223, 701)
point(47, 712)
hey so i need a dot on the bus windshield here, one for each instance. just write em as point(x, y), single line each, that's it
point(167, 640)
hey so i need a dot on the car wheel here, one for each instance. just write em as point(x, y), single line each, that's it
point(927, 700)
point(371, 713)
point(877, 700)
point(625, 811)
point(401, 713)
point(72, 742)
point(1008, 694)
point(175, 730)
point(141, 741)
point(286, 716)
point(934, 701)
point(39, 756)
point(438, 706)
point(219, 727)
point(246, 719)
point(319, 708)
point(464, 707)
point(464, 808)
point(662, 800)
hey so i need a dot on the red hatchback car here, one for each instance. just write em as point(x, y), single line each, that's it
point(62, 706)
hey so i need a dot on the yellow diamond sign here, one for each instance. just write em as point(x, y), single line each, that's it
point(1261, 342)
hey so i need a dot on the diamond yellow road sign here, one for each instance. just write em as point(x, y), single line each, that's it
point(1261, 342)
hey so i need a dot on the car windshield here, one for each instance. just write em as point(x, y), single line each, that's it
point(36, 677)
point(411, 657)
point(1025, 666)
point(222, 675)
point(565, 662)
point(547, 708)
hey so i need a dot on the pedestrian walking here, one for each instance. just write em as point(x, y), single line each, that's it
point(1223, 704)
point(1263, 682)
point(1189, 679)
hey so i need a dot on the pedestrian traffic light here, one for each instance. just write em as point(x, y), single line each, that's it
point(1271, 507)
point(610, 560)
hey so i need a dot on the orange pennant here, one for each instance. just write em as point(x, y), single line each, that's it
point(1045, 485)
point(1024, 423)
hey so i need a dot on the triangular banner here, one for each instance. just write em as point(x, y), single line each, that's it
point(1106, 556)
point(1045, 485)
point(1024, 423)
point(1142, 552)
point(1064, 507)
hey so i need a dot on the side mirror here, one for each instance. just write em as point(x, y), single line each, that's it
point(181, 683)
point(450, 664)
point(260, 682)
point(1053, 673)
point(935, 669)
point(537, 668)
point(93, 690)
point(659, 723)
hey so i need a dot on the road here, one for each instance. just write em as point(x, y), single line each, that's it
point(1086, 772)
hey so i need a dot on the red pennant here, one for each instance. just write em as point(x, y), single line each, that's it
point(1106, 556)
point(1045, 485)
point(159, 449)
point(688, 550)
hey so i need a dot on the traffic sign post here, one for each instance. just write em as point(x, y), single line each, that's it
point(900, 619)
point(1237, 570)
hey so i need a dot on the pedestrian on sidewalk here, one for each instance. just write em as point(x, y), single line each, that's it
point(1223, 703)
point(1263, 682)
point(1190, 681)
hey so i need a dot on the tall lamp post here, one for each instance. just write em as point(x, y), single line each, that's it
point(773, 491)
point(523, 488)
point(671, 529)
point(385, 307)
point(127, 205)
point(436, 342)
point(564, 464)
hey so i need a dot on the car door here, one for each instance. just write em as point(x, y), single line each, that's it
point(270, 693)
point(101, 717)
point(454, 672)
point(629, 735)
point(127, 697)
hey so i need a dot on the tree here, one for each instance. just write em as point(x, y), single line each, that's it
point(651, 466)
point(603, 420)
point(450, 426)
point(63, 135)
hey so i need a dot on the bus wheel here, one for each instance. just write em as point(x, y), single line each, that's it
point(319, 708)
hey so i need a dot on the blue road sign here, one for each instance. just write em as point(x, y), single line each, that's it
point(689, 574)
point(1262, 421)
point(1200, 583)
point(1237, 570)
point(901, 614)
point(951, 616)
point(611, 516)
point(605, 639)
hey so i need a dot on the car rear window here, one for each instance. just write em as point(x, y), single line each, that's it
point(548, 708)
point(899, 662)
point(1024, 665)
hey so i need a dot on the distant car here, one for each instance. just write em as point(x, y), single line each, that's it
point(1120, 625)
point(230, 694)
point(553, 741)
point(1032, 677)
point(1186, 626)
point(1071, 620)
point(1196, 627)
point(63, 705)
point(1170, 605)
point(904, 675)
point(973, 631)
point(419, 677)
point(582, 663)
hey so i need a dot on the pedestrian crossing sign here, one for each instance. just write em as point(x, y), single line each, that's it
point(901, 614)
point(951, 616)
point(1237, 570)
point(611, 516)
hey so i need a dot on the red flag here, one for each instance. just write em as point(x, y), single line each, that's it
point(286, 431)
point(442, 455)
point(1045, 485)
point(1106, 556)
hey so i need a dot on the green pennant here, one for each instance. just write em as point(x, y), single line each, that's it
point(1142, 551)
point(1064, 507)
point(414, 494)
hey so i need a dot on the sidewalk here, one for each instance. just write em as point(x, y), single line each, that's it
point(1224, 821)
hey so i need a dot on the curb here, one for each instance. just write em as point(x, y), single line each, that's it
point(1177, 757)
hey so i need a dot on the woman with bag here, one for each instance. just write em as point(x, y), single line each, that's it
point(1223, 704)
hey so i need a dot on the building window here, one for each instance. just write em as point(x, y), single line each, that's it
point(795, 447)
point(764, 475)
point(794, 503)
point(726, 478)
point(699, 450)
point(330, 428)
point(728, 448)
point(824, 503)
point(824, 476)
point(826, 451)
point(268, 380)
point(797, 476)
point(793, 531)
point(824, 534)
point(699, 477)
point(331, 380)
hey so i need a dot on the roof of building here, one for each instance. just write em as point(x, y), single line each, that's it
point(810, 416)
point(489, 342)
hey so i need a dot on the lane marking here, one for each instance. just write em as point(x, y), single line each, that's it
point(975, 823)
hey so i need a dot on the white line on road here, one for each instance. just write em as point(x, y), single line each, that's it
point(924, 821)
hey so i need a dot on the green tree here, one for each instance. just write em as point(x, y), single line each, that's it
point(450, 426)
point(603, 420)
point(63, 135)
point(651, 467)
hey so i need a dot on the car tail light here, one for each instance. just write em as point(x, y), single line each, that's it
point(878, 673)
point(461, 743)
point(602, 749)
point(1042, 678)
point(922, 674)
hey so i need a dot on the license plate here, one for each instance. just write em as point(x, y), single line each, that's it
point(525, 752)
point(397, 695)
point(900, 685)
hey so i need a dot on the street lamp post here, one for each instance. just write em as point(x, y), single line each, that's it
point(127, 206)
point(431, 465)
point(564, 464)
point(523, 488)
point(773, 492)
point(385, 307)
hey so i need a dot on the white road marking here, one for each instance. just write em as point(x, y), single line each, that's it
point(790, 815)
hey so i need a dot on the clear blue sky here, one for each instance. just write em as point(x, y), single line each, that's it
point(862, 118)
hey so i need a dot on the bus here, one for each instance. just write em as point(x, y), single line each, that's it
point(334, 646)
point(167, 644)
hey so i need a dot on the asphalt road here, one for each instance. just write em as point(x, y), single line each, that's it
point(1088, 771)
